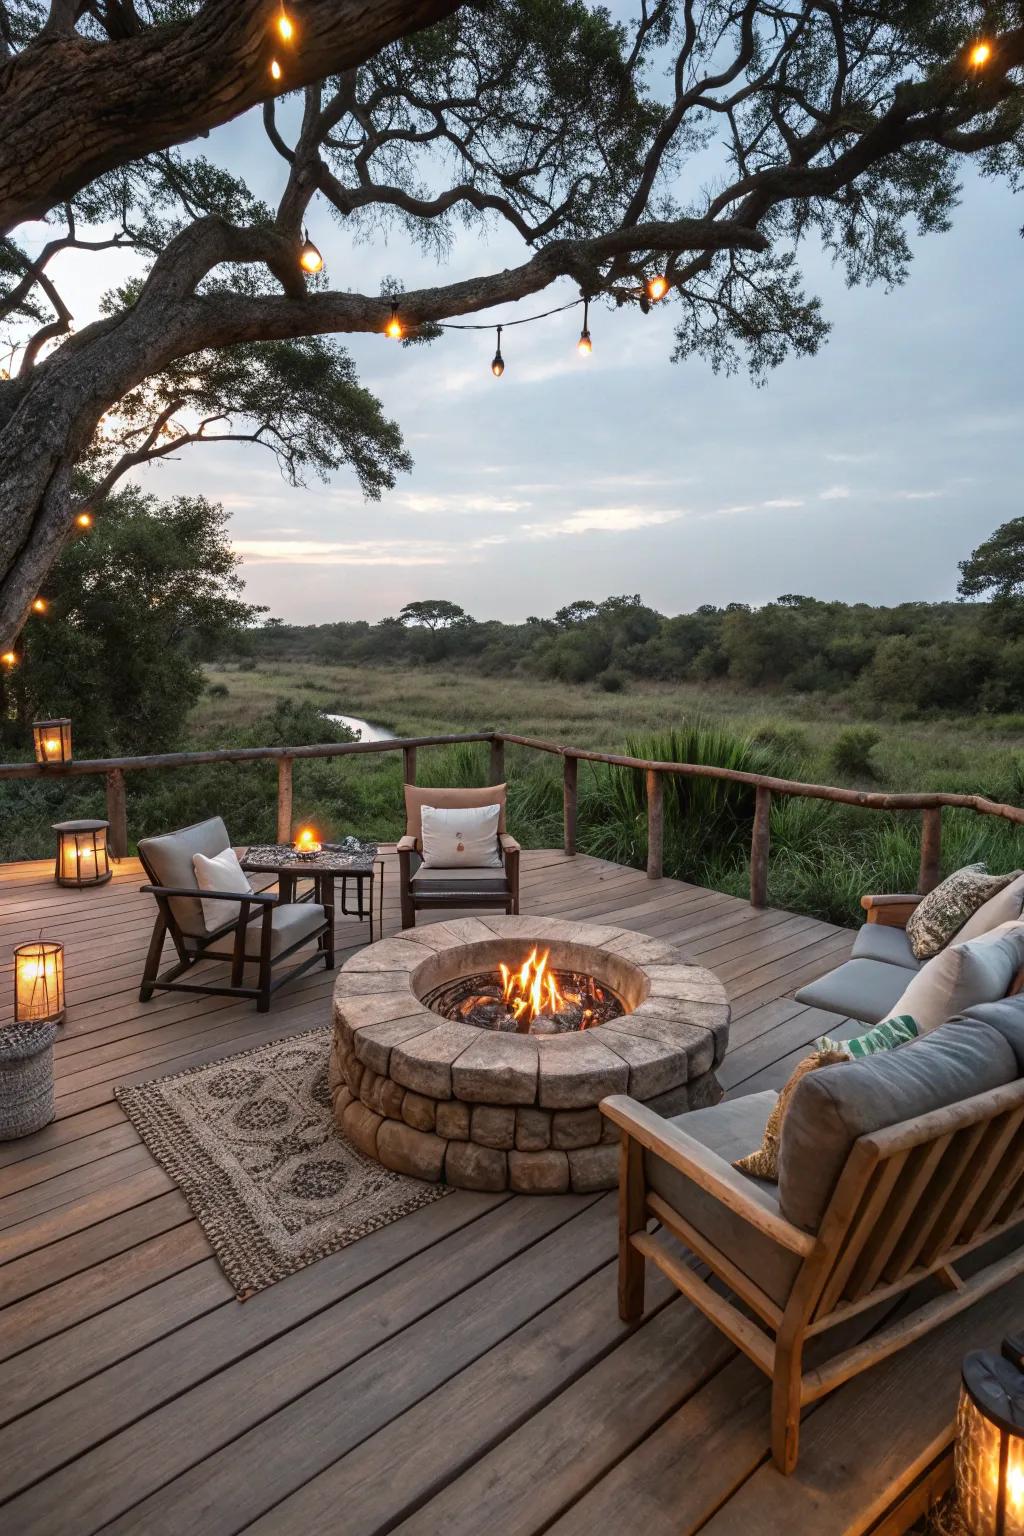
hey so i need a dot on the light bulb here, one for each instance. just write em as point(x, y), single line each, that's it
point(9, 658)
point(498, 362)
point(394, 325)
point(39, 605)
point(657, 287)
point(584, 346)
point(980, 54)
point(275, 70)
point(84, 519)
point(310, 259)
point(285, 26)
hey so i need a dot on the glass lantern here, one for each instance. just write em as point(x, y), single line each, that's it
point(39, 982)
point(52, 741)
point(82, 857)
point(989, 1454)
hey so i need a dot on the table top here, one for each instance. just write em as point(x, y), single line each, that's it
point(351, 857)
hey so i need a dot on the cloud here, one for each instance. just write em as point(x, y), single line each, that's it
point(460, 501)
point(782, 503)
point(835, 493)
point(395, 552)
point(601, 520)
point(918, 495)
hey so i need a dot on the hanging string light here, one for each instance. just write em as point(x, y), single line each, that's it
point(394, 327)
point(285, 25)
point(9, 658)
point(310, 259)
point(585, 346)
point(657, 287)
point(84, 520)
point(275, 70)
point(39, 605)
point(980, 54)
point(498, 362)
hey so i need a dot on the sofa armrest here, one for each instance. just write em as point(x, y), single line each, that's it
point(892, 911)
point(407, 844)
point(257, 898)
point(707, 1170)
point(508, 843)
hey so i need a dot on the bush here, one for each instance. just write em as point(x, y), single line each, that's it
point(850, 753)
point(217, 690)
point(611, 682)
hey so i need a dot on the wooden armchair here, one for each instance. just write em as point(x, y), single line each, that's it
point(890, 911)
point(265, 932)
point(865, 1217)
point(427, 889)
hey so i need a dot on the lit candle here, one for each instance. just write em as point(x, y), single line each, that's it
point(307, 841)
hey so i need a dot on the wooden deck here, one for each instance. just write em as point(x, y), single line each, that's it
point(461, 1371)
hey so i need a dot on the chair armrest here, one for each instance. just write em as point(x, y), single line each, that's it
point(406, 844)
point(892, 911)
point(508, 843)
point(707, 1170)
point(258, 898)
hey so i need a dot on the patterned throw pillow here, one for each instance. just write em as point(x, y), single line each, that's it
point(884, 1037)
point(942, 913)
point(764, 1163)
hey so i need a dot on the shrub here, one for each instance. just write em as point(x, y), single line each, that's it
point(217, 690)
point(611, 682)
point(850, 753)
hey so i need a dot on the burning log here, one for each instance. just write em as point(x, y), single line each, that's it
point(532, 999)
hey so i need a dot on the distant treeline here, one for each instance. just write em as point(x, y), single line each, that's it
point(917, 657)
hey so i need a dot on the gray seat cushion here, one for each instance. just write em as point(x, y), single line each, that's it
point(290, 923)
point(860, 989)
point(436, 882)
point(170, 859)
point(878, 941)
point(1008, 1017)
point(830, 1108)
point(732, 1129)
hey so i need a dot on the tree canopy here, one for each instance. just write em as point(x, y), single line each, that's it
point(703, 142)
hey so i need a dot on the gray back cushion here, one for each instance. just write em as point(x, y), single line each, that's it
point(1008, 1017)
point(169, 858)
point(830, 1108)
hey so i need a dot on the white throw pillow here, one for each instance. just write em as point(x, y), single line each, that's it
point(1005, 906)
point(963, 975)
point(461, 837)
point(221, 873)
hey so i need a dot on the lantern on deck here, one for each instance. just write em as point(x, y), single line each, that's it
point(52, 741)
point(39, 982)
point(989, 1456)
point(82, 857)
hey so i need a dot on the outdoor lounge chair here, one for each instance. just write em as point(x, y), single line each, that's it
point(265, 932)
point(424, 888)
point(892, 1170)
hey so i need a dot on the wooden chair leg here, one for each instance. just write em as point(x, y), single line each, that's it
point(408, 908)
point(786, 1407)
point(152, 965)
point(328, 937)
point(632, 1218)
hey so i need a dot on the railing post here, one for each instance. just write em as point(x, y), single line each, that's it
point(760, 844)
point(570, 770)
point(655, 824)
point(117, 814)
point(931, 849)
point(497, 761)
point(284, 799)
point(409, 764)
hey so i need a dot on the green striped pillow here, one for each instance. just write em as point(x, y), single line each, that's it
point(884, 1037)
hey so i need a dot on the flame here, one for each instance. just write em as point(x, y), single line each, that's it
point(307, 841)
point(532, 989)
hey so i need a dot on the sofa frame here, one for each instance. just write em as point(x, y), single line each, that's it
point(912, 1201)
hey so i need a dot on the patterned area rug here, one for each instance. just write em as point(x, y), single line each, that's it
point(252, 1144)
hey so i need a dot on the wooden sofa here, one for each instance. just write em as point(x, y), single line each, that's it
point(892, 1171)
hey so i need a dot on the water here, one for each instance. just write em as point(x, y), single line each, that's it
point(365, 730)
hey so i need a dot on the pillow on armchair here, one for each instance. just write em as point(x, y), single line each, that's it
point(945, 910)
point(461, 837)
point(963, 975)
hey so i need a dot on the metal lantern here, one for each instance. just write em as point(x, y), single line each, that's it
point(52, 741)
point(39, 982)
point(989, 1456)
point(82, 857)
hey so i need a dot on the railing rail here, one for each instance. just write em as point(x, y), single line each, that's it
point(930, 803)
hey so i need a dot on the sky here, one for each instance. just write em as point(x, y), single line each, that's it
point(862, 474)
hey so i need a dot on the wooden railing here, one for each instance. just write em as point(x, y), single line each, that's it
point(930, 805)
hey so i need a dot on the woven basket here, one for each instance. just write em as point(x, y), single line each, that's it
point(26, 1078)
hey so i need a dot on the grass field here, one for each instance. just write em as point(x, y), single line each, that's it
point(823, 856)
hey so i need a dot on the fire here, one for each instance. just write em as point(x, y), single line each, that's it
point(307, 841)
point(532, 990)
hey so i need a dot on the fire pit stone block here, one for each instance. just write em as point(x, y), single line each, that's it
point(431, 1096)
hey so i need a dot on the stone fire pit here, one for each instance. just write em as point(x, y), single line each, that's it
point(442, 1099)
